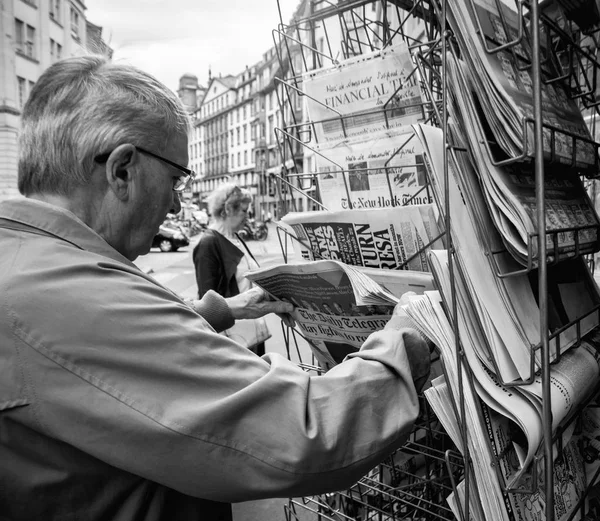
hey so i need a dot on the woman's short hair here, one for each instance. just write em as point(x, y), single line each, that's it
point(85, 106)
point(228, 195)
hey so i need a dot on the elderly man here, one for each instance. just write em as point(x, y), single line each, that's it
point(118, 401)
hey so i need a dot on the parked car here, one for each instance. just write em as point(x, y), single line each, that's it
point(170, 237)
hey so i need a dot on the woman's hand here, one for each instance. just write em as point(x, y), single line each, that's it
point(255, 303)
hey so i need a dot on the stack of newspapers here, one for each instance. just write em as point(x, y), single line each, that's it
point(497, 319)
point(509, 190)
point(502, 86)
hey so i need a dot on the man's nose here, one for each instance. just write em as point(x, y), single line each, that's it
point(176, 203)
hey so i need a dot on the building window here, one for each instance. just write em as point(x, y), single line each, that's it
point(55, 50)
point(245, 133)
point(54, 10)
point(74, 23)
point(239, 160)
point(238, 136)
point(21, 91)
point(245, 157)
point(25, 38)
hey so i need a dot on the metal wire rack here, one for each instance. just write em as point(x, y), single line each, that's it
point(415, 482)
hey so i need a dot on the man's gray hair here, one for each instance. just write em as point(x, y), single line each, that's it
point(85, 106)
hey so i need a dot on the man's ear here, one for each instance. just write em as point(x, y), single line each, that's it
point(119, 169)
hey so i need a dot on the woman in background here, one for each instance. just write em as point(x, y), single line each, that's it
point(221, 259)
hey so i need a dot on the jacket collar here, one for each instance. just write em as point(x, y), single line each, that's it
point(58, 222)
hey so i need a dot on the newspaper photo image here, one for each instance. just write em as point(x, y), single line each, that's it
point(394, 238)
point(363, 94)
point(381, 171)
point(337, 306)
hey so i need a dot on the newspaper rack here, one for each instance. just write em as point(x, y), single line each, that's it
point(391, 492)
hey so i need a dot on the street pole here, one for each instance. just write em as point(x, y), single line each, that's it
point(263, 182)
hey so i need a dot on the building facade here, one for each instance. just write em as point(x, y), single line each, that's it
point(235, 136)
point(33, 35)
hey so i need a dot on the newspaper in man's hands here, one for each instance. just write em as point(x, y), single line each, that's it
point(338, 306)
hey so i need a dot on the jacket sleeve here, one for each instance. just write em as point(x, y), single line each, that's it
point(129, 374)
point(208, 265)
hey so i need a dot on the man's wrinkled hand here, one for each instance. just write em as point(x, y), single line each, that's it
point(255, 303)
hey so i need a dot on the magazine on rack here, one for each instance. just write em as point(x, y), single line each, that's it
point(383, 171)
point(510, 191)
point(363, 94)
point(505, 424)
point(506, 308)
point(502, 83)
point(337, 306)
point(393, 238)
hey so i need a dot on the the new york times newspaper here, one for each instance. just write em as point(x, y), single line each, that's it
point(383, 170)
point(337, 306)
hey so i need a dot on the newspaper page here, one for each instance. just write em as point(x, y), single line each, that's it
point(383, 171)
point(503, 85)
point(363, 94)
point(336, 306)
point(394, 238)
point(511, 195)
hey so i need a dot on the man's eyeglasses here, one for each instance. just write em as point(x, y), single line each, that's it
point(182, 183)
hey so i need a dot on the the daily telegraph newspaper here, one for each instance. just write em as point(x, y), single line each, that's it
point(382, 170)
point(505, 424)
point(502, 85)
point(510, 191)
point(363, 94)
point(337, 306)
point(505, 308)
point(385, 238)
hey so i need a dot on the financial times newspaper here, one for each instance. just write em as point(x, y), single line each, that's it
point(394, 238)
point(337, 306)
point(383, 171)
point(353, 97)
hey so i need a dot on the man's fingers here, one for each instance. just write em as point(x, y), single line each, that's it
point(279, 306)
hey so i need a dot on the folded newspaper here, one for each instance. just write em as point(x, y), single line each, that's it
point(393, 238)
point(363, 94)
point(381, 170)
point(337, 306)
